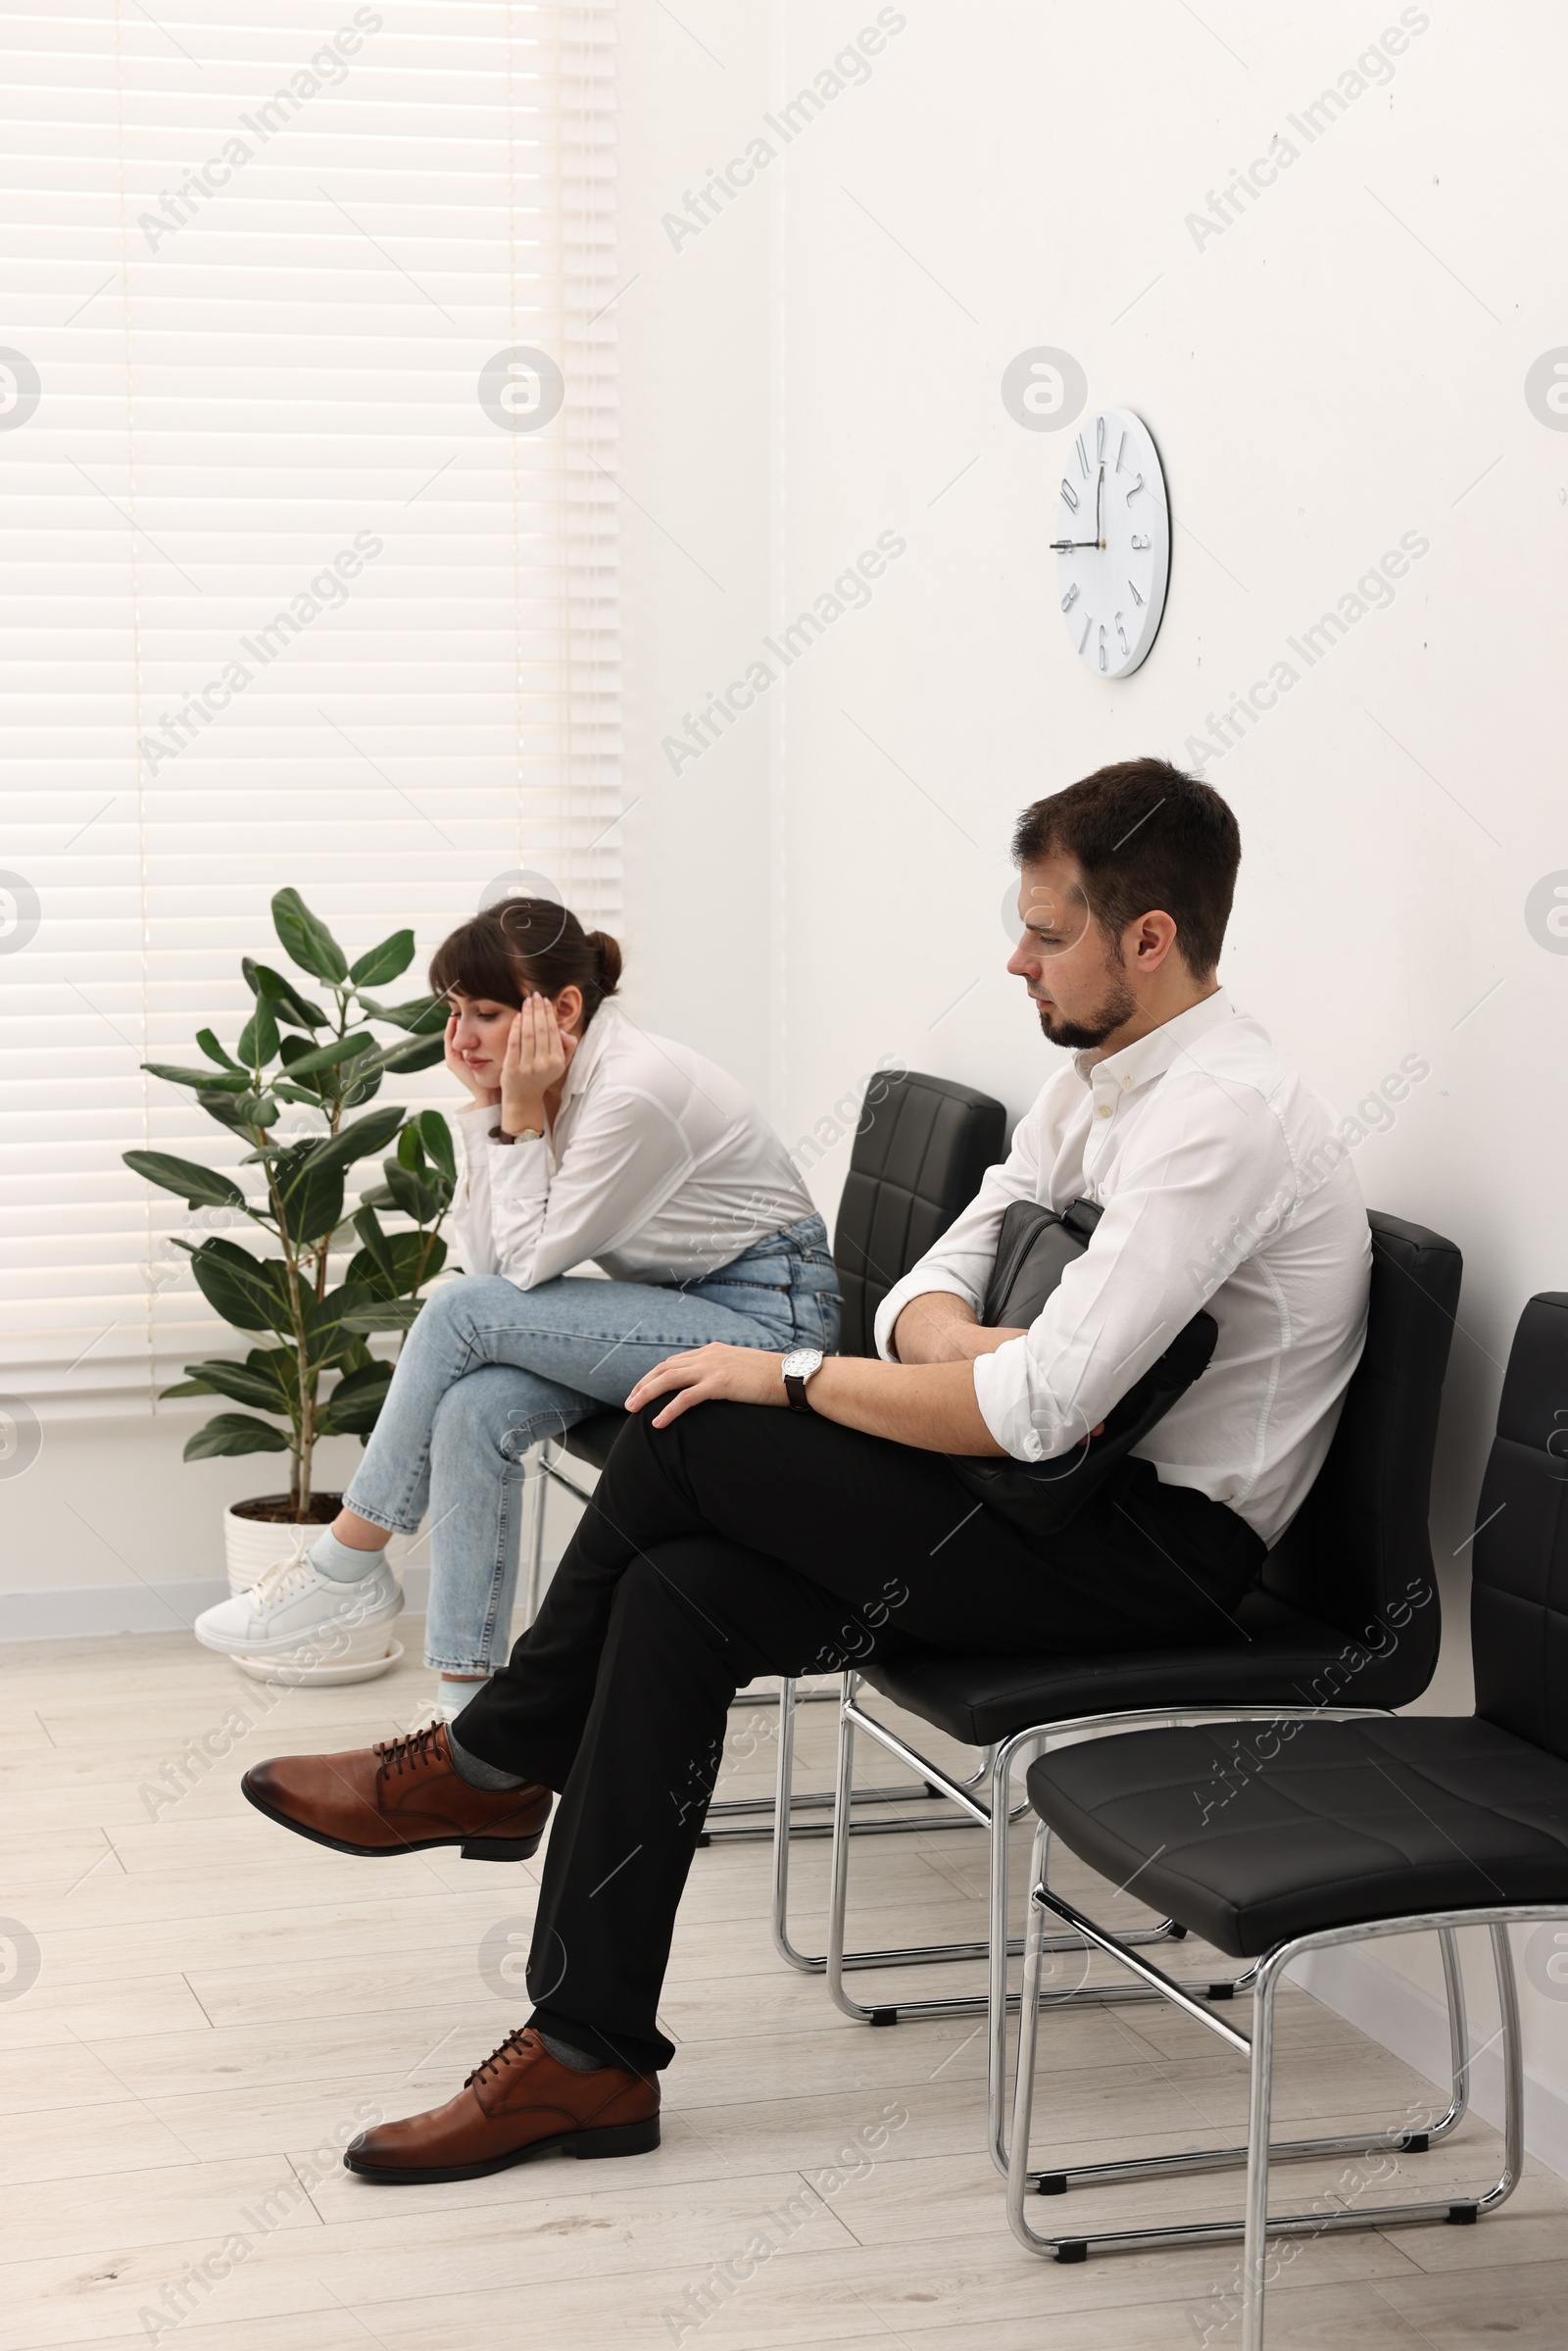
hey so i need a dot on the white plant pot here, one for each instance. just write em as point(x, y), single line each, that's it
point(251, 1545)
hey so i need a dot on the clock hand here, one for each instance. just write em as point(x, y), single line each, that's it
point(1061, 546)
point(1099, 486)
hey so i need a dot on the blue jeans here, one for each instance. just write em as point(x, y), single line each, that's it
point(489, 1371)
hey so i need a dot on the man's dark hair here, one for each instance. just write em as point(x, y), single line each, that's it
point(1144, 836)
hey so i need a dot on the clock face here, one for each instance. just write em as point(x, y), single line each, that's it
point(1112, 543)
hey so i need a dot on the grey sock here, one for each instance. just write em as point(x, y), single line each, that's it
point(477, 1771)
point(340, 1562)
point(564, 2054)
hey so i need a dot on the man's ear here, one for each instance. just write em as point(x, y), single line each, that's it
point(1153, 940)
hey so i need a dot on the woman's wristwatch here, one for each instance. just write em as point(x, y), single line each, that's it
point(799, 1365)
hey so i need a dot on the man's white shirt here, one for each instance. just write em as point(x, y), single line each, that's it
point(1224, 1184)
point(659, 1168)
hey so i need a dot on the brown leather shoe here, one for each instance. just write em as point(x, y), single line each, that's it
point(520, 2103)
point(403, 1796)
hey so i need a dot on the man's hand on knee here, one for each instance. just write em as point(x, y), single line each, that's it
point(737, 1375)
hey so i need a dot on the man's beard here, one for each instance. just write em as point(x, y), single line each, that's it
point(1082, 1035)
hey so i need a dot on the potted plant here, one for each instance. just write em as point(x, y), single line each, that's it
point(315, 1376)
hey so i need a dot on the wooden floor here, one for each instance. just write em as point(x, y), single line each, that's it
point(216, 2002)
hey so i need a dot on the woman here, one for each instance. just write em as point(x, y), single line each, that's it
point(583, 1138)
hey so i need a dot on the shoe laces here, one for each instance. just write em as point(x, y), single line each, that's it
point(275, 1581)
point(414, 1751)
point(519, 2043)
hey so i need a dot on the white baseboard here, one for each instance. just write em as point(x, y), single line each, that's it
point(1407, 2020)
point(72, 1610)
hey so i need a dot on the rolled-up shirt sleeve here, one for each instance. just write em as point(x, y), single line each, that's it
point(1161, 1248)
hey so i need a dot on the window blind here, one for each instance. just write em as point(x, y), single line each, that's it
point(308, 457)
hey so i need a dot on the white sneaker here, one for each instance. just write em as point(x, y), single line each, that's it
point(294, 1613)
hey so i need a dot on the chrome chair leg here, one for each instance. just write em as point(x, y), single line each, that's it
point(533, 1586)
point(1257, 2227)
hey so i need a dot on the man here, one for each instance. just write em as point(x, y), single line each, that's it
point(732, 1541)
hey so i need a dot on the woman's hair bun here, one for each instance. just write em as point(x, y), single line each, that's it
point(523, 944)
point(606, 954)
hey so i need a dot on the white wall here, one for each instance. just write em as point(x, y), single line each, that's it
point(1343, 364)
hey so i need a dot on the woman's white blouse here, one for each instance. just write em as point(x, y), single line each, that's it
point(660, 1168)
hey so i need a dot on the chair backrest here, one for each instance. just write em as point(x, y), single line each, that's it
point(920, 1150)
point(1357, 1555)
point(1519, 1592)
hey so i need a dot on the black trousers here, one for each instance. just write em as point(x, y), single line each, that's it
point(742, 1542)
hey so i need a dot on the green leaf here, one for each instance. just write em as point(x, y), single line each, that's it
point(230, 1082)
point(378, 1197)
point(238, 1380)
point(410, 1257)
point(391, 1057)
point(239, 1112)
point(414, 1198)
point(307, 940)
point(362, 1087)
point(358, 1141)
point(352, 1407)
point(420, 1052)
point(213, 1050)
point(311, 1196)
point(309, 1089)
point(365, 1381)
point(436, 1136)
point(234, 1433)
point(329, 1332)
point(186, 1388)
point(287, 1092)
point(251, 1293)
point(198, 1187)
point(326, 1056)
point(258, 1039)
point(378, 964)
point(395, 1315)
point(281, 1366)
point(373, 1249)
point(284, 998)
point(422, 1014)
point(411, 1150)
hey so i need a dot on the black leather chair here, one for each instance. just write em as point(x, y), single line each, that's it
point(1330, 1832)
point(1320, 1626)
point(918, 1155)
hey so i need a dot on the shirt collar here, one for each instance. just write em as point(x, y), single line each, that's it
point(1153, 1056)
point(585, 1061)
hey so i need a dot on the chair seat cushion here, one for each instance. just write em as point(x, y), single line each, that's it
point(589, 1439)
point(1249, 1835)
point(1287, 1659)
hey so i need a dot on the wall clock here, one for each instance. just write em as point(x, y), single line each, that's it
point(1112, 543)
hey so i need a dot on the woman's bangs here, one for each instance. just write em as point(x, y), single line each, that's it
point(475, 962)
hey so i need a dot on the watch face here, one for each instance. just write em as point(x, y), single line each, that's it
point(1112, 543)
point(802, 1362)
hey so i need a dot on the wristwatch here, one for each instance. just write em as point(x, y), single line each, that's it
point(523, 1135)
point(799, 1365)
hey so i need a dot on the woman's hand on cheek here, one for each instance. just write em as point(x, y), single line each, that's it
point(529, 1067)
point(737, 1375)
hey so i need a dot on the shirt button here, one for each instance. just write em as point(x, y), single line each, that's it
point(1104, 1112)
